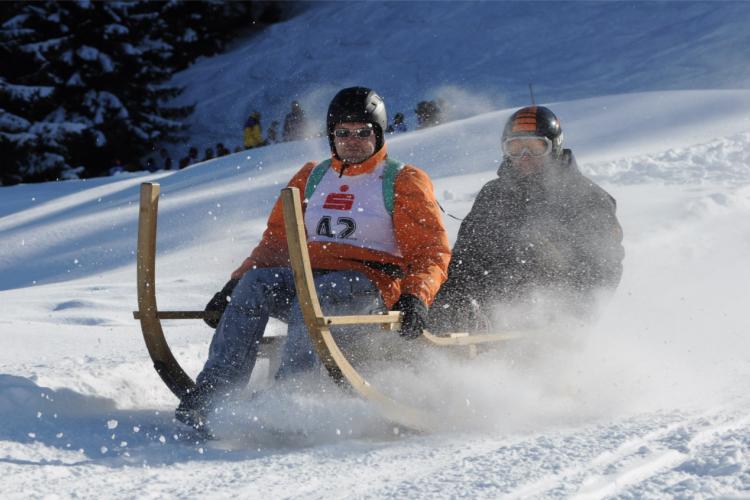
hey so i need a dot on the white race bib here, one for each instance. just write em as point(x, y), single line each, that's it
point(350, 210)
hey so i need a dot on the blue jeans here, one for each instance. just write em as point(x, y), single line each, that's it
point(270, 292)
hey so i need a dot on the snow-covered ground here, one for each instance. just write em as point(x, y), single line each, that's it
point(651, 403)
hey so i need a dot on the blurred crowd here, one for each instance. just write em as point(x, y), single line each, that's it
point(295, 127)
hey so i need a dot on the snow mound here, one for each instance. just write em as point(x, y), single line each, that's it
point(721, 160)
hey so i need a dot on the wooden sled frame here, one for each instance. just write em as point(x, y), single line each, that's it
point(318, 325)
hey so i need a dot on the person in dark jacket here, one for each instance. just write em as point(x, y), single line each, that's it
point(272, 136)
point(294, 123)
point(221, 150)
point(541, 225)
point(166, 159)
point(428, 114)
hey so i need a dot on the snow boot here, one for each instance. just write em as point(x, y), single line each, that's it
point(195, 407)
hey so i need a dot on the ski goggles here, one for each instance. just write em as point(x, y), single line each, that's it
point(516, 147)
point(362, 133)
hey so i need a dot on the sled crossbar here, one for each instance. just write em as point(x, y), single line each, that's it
point(387, 319)
point(175, 314)
point(390, 317)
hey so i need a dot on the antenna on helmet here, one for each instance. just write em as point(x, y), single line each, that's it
point(531, 93)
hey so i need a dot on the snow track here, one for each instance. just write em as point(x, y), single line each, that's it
point(648, 455)
point(656, 458)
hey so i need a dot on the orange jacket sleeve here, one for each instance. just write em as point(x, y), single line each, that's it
point(272, 251)
point(420, 234)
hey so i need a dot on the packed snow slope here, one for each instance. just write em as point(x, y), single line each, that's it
point(651, 403)
point(478, 56)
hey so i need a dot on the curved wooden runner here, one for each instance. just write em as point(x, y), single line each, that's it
point(166, 365)
point(330, 355)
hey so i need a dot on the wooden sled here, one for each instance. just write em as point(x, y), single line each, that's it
point(318, 325)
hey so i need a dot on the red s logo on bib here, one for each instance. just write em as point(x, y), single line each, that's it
point(339, 201)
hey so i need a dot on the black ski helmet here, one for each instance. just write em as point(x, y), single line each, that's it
point(357, 104)
point(535, 121)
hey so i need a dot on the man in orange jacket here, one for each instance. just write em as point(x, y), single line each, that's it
point(376, 241)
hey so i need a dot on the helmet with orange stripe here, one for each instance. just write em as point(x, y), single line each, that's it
point(534, 121)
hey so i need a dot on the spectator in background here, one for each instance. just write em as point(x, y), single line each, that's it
point(428, 114)
point(398, 124)
point(423, 114)
point(166, 160)
point(272, 134)
point(209, 155)
point(133, 166)
point(294, 123)
point(116, 167)
point(191, 158)
point(252, 134)
point(221, 150)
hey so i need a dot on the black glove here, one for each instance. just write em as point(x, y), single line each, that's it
point(218, 303)
point(414, 317)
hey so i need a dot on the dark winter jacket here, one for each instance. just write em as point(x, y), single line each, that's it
point(556, 229)
point(294, 125)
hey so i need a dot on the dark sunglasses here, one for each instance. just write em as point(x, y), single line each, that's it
point(362, 133)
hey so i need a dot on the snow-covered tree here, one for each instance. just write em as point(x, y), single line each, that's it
point(85, 89)
point(114, 73)
point(83, 85)
point(31, 146)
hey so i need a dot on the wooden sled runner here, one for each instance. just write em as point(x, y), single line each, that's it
point(166, 365)
point(318, 325)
